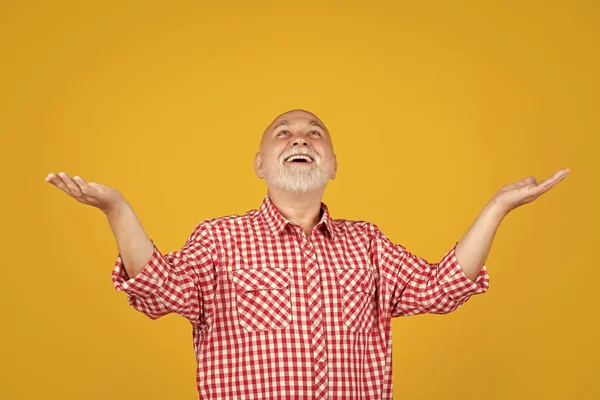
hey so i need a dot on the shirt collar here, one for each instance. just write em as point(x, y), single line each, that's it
point(276, 222)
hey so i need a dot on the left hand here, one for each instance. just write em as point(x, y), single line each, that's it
point(525, 191)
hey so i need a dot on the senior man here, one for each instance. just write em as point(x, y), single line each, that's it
point(286, 301)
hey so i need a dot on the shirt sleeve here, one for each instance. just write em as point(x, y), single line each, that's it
point(415, 286)
point(181, 282)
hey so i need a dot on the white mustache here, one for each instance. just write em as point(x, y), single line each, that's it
point(295, 150)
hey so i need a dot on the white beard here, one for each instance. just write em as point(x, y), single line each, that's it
point(299, 178)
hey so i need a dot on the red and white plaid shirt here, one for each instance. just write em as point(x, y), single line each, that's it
point(276, 314)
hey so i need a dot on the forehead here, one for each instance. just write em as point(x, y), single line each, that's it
point(296, 117)
point(301, 117)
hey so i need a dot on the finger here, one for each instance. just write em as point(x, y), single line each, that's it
point(545, 189)
point(560, 177)
point(524, 182)
point(73, 188)
point(557, 177)
point(83, 185)
point(549, 183)
point(561, 174)
point(58, 182)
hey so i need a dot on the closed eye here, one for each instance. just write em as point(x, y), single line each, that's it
point(283, 132)
point(317, 132)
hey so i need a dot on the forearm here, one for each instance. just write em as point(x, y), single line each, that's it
point(473, 248)
point(135, 247)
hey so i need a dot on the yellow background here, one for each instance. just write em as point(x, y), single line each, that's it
point(432, 105)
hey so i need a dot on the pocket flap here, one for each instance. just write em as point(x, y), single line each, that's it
point(247, 280)
point(356, 280)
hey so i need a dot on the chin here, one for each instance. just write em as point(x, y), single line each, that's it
point(298, 182)
point(297, 186)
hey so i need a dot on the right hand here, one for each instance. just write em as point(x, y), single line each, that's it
point(94, 194)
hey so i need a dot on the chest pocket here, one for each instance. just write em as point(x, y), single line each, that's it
point(359, 306)
point(263, 298)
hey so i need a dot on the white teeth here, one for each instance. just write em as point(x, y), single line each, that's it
point(298, 157)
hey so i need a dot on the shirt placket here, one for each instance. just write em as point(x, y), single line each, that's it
point(313, 285)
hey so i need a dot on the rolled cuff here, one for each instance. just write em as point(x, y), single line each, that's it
point(147, 282)
point(456, 284)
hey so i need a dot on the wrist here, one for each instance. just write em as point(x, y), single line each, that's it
point(496, 210)
point(116, 209)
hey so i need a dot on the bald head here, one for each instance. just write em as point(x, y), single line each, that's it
point(291, 118)
point(299, 112)
point(296, 132)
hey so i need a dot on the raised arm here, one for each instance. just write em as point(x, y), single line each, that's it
point(135, 246)
point(156, 283)
point(472, 250)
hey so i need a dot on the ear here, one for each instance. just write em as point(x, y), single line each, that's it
point(335, 167)
point(258, 165)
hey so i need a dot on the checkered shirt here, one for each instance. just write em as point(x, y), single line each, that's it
point(281, 315)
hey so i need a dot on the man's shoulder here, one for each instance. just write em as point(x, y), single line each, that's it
point(353, 227)
point(226, 222)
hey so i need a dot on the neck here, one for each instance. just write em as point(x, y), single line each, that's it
point(303, 209)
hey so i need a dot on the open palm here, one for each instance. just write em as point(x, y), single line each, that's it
point(527, 190)
point(94, 194)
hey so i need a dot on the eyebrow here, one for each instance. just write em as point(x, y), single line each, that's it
point(286, 122)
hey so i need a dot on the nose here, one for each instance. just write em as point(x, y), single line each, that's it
point(299, 141)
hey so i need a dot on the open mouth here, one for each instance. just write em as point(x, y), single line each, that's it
point(299, 159)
